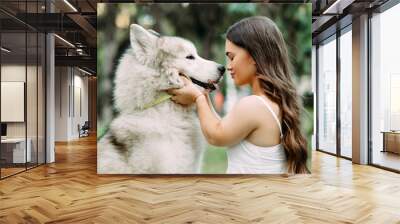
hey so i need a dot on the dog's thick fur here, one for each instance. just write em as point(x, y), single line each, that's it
point(165, 138)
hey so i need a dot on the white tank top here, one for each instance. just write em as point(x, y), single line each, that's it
point(247, 158)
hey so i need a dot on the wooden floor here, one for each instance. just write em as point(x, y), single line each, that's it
point(387, 159)
point(10, 171)
point(70, 191)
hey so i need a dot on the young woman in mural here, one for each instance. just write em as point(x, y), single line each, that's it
point(263, 129)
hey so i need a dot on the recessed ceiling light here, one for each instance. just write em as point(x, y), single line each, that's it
point(86, 72)
point(337, 7)
point(64, 40)
point(5, 49)
point(70, 5)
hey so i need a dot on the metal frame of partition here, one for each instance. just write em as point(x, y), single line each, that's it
point(317, 93)
point(338, 97)
point(0, 90)
point(369, 125)
point(337, 34)
point(44, 93)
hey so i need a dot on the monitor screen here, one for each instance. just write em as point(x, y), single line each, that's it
point(3, 129)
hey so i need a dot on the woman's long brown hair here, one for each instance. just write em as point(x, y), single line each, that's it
point(264, 42)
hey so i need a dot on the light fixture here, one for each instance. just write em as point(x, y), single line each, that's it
point(5, 50)
point(86, 72)
point(70, 5)
point(337, 7)
point(329, 9)
point(64, 40)
point(80, 51)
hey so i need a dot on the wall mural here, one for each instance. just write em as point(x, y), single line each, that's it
point(161, 66)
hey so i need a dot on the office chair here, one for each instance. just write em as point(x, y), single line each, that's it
point(84, 130)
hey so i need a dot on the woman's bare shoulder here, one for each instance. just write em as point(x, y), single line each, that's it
point(248, 102)
point(253, 107)
point(249, 106)
point(253, 101)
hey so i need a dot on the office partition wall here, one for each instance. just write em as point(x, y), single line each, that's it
point(346, 92)
point(22, 77)
point(327, 95)
point(14, 147)
point(334, 90)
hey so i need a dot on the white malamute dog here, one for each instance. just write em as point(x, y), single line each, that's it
point(165, 138)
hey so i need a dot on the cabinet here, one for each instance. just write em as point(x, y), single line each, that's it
point(391, 141)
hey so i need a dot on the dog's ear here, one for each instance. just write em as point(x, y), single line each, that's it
point(141, 38)
point(171, 80)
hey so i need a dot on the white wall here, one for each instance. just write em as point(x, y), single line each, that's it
point(62, 81)
point(33, 126)
point(80, 102)
point(70, 83)
point(16, 73)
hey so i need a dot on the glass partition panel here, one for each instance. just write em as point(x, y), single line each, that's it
point(15, 151)
point(31, 97)
point(346, 93)
point(327, 96)
point(41, 99)
point(385, 89)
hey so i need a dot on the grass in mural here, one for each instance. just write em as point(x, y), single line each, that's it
point(214, 161)
point(102, 129)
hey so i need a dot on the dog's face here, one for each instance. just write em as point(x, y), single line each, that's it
point(174, 56)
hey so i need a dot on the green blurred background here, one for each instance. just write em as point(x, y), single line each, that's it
point(205, 25)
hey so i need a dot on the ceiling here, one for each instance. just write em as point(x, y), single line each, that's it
point(74, 22)
point(331, 15)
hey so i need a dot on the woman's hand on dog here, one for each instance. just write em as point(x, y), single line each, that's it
point(185, 95)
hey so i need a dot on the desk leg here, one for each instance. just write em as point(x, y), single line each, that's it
point(384, 142)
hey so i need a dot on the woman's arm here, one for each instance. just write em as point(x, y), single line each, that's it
point(231, 129)
point(208, 120)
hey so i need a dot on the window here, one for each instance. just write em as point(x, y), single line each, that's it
point(327, 95)
point(385, 88)
point(346, 92)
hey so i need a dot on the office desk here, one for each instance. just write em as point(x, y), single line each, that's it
point(391, 141)
point(15, 148)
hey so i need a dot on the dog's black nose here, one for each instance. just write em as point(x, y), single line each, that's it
point(221, 69)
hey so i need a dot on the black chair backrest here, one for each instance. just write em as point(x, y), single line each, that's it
point(86, 125)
